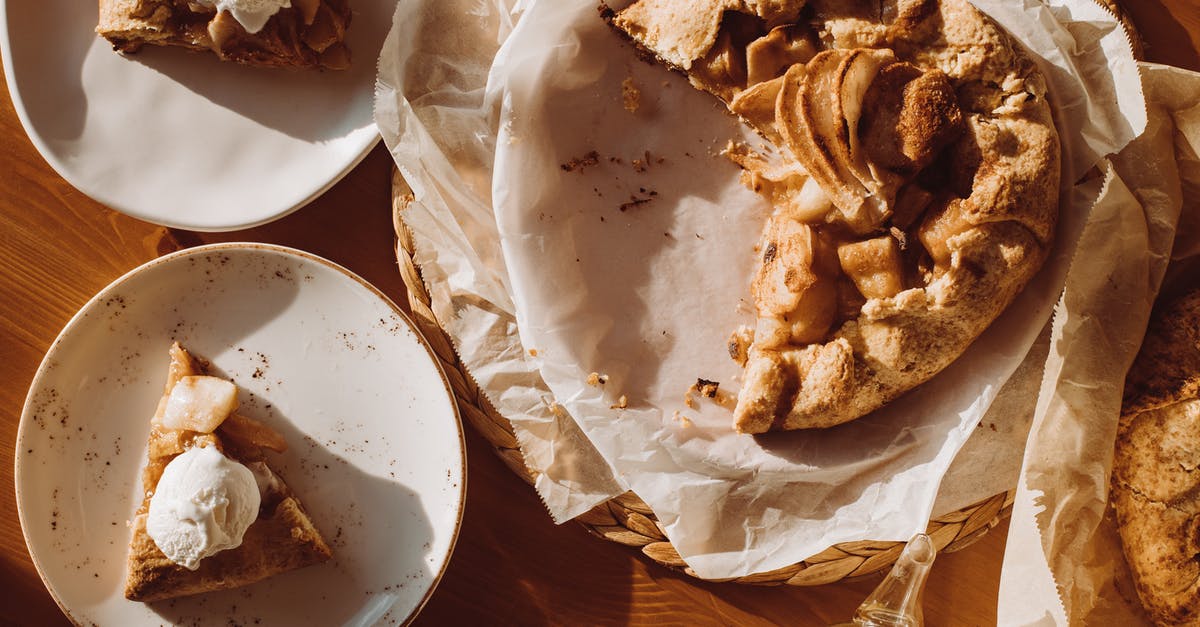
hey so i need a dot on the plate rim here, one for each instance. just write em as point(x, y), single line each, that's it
point(47, 155)
point(75, 319)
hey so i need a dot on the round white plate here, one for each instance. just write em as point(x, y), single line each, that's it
point(183, 139)
point(375, 443)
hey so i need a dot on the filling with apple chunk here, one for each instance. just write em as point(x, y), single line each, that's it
point(200, 410)
point(860, 127)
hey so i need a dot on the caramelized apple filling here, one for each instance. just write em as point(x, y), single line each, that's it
point(860, 127)
point(874, 266)
point(769, 56)
point(796, 286)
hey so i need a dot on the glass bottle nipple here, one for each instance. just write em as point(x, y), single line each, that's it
point(896, 602)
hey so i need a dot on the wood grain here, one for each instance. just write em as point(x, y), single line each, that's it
point(512, 565)
point(1170, 30)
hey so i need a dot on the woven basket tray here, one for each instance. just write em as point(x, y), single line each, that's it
point(626, 519)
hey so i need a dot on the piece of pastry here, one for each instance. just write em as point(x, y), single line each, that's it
point(214, 515)
point(914, 189)
point(1155, 482)
point(269, 33)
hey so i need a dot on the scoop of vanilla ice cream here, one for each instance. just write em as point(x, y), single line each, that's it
point(251, 14)
point(204, 502)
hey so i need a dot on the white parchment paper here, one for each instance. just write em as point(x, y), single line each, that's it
point(431, 111)
point(647, 295)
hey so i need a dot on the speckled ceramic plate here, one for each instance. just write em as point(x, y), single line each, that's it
point(376, 450)
point(180, 138)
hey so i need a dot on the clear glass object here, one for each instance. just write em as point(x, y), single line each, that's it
point(896, 602)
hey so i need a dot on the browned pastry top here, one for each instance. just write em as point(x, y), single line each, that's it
point(1155, 484)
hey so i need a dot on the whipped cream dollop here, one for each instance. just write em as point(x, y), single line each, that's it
point(203, 504)
point(251, 14)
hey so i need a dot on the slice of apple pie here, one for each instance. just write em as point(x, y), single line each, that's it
point(214, 515)
point(270, 33)
point(914, 185)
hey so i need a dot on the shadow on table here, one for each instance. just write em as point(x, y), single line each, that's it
point(1165, 37)
point(514, 566)
point(350, 224)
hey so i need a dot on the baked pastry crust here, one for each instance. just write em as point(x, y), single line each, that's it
point(1155, 485)
point(282, 538)
point(309, 34)
point(928, 132)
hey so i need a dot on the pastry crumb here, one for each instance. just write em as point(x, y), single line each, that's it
point(596, 378)
point(682, 419)
point(634, 201)
point(577, 164)
point(643, 163)
point(739, 344)
point(622, 403)
point(711, 390)
point(631, 96)
point(533, 352)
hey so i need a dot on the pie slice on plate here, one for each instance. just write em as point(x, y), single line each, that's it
point(214, 516)
point(913, 176)
point(270, 33)
point(1154, 480)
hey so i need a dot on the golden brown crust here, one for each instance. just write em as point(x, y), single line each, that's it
point(684, 31)
point(310, 34)
point(1167, 369)
point(282, 538)
point(277, 542)
point(961, 168)
point(1155, 482)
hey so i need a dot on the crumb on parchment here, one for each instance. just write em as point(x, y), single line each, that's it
point(533, 352)
point(596, 378)
point(707, 388)
point(577, 164)
point(631, 96)
point(634, 201)
point(711, 390)
point(622, 403)
point(643, 163)
point(681, 419)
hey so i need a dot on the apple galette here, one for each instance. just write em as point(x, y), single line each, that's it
point(913, 178)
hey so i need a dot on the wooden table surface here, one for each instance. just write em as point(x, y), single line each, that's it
point(512, 565)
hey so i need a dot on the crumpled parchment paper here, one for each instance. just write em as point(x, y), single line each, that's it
point(488, 162)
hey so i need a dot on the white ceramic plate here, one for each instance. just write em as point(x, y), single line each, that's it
point(180, 138)
point(375, 444)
